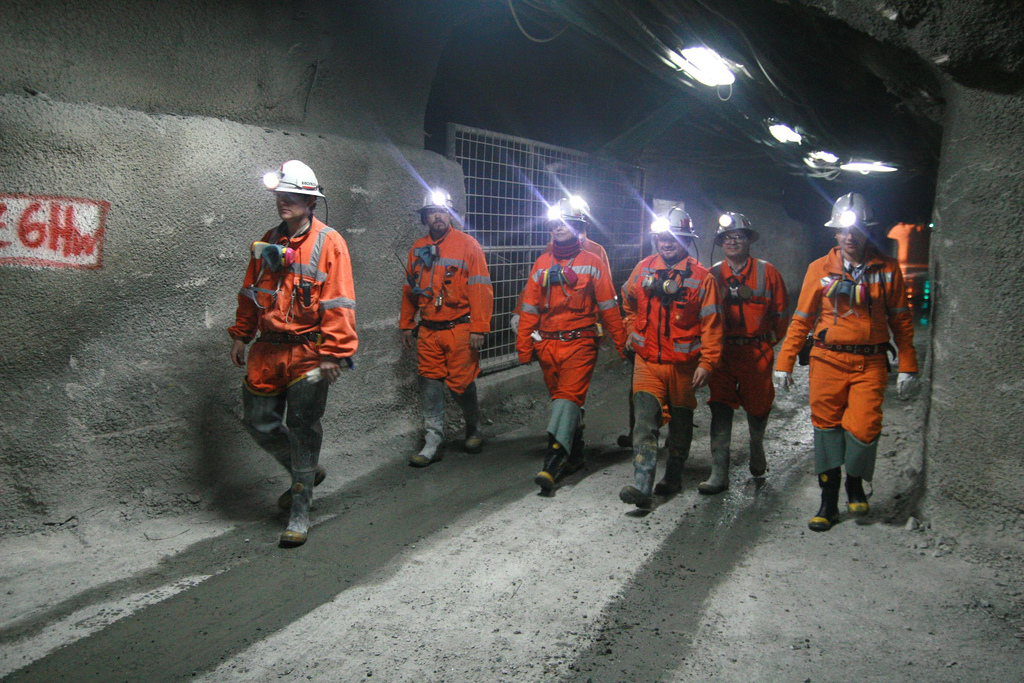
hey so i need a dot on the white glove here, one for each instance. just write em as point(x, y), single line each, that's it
point(513, 322)
point(905, 383)
point(783, 380)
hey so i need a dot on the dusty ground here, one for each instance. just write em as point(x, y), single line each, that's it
point(462, 572)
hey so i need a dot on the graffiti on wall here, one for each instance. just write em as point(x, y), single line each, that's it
point(51, 232)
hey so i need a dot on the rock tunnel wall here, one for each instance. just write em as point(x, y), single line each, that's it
point(117, 381)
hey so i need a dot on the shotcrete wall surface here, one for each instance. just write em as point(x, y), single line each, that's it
point(117, 382)
point(975, 464)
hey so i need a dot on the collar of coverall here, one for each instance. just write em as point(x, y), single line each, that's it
point(678, 265)
point(282, 229)
point(872, 259)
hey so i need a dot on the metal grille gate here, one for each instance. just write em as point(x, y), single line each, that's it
point(510, 182)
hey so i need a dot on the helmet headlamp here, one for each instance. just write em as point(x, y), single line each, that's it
point(847, 218)
point(554, 213)
point(577, 202)
point(272, 179)
point(439, 198)
point(660, 225)
point(725, 220)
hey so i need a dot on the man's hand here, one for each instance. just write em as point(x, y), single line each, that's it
point(701, 377)
point(408, 339)
point(330, 370)
point(513, 322)
point(783, 380)
point(238, 353)
point(629, 344)
point(476, 341)
point(906, 382)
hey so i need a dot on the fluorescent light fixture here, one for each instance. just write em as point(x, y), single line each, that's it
point(272, 179)
point(784, 133)
point(703, 65)
point(660, 224)
point(823, 157)
point(866, 167)
point(725, 220)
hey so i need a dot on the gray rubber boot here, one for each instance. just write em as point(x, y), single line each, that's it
point(758, 462)
point(264, 420)
point(645, 450)
point(470, 404)
point(432, 398)
point(721, 438)
point(680, 436)
point(302, 501)
point(829, 448)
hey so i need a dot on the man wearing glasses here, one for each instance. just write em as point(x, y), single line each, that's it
point(299, 295)
point(754, 305)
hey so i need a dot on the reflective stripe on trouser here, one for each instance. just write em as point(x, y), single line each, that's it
point(670, 383)
point(829, 449)
point(744, 379)
point(287, 425)
point(860, 457)
point(645, 439)
point(446, 355)
point(847, 391)
point(568, 367)
point(565, 418)
point(272, 367)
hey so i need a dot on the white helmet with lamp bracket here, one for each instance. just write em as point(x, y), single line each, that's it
point(294, 177)
point(851, 210)
point(734, 222)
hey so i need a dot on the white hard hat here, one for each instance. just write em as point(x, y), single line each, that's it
point(294, 177)
point(675, 222)
point(437, 199)
point(850, 210)
point(572, 208)
point(734, 222)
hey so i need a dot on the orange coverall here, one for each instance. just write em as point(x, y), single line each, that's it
point(752, 327)
point(672, 341)
point(272, 302)
point(460, 281)
point(848, 386)
point(568, 363)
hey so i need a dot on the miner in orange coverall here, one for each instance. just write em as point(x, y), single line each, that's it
point(448, 285)
point(567, 291)
point(851, 299)
point(298, 295)
point(754, 305)
point(674, 322)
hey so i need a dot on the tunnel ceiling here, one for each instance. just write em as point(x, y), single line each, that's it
point(595, 76)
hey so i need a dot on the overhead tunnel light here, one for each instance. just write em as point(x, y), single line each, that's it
point(784, 133)
point(865, 167)
point(703, 65)
point(820, 157)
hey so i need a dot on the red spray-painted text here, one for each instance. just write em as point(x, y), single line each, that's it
point(51, 232)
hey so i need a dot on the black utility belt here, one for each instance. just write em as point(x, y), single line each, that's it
point(445, 324)
point(582, 333)
point(744, 341)
point(862, 349)
point(285, 338)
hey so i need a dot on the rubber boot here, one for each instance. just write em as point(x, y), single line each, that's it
point(758, 462)
point(470, 405)
point(432, 397)
point(721, 437)
point(577, 458)
point(626, 440)
point(645, 451)
point(554, 466)
point(302, 500)
point(857, 500)
point(285, 500)
point(680, 436)
point(828, 513)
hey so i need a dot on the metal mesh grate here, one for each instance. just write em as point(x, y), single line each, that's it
point(510, 182)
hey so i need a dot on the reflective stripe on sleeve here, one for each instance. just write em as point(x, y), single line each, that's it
point(340, 302)
point(530, 308)
point(638, 339)
point(686, 348)
point(605, 305)
point(801, 314)
point(710, 309)
point(479, 279)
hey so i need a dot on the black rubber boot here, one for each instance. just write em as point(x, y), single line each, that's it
point(758, 462)
point(828, 513)
point(577, 459)
point(857, 499)
point(721, 438)
point(680, 436)
point(554, 466)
